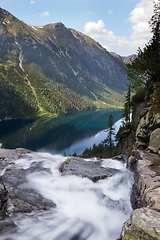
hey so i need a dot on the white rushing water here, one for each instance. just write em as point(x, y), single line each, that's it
point(84, 210)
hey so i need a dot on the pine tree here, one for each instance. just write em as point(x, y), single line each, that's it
point(127, 107)
point(111, 133)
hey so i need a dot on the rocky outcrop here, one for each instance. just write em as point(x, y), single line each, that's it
point(90, 169)
point(154, 143)
point(128, 135)
point(16, 195)
point(147, 181)
point(143, 224)
point(144, 221)
point(142, 133)
point(146, 131)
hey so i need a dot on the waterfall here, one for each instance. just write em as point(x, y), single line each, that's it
point(85, 210)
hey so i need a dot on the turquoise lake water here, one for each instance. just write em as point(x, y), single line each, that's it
point(69, 133)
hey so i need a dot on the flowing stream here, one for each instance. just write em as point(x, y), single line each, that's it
point(85, 210)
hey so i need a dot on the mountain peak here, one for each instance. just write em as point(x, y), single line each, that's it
point(59, 25)
point(54, 69)
point(55, 25)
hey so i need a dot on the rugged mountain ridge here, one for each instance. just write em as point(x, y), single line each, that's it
point(125, 59)
point(54, 69)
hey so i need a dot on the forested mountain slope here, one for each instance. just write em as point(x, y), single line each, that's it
point(54, 69)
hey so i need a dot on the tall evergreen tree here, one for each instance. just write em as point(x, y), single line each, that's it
point(127, 107)
point(111, 133)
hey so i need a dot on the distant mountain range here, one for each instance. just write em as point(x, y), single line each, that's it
point(53, 69)
point(127, 59)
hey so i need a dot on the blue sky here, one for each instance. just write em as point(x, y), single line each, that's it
point(120, 26)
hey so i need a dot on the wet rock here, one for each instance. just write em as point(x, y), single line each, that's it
point(154, 143)
point(3, 195)
point(90, 169)
point(122, 157)
point(21, 197)
point(7, 226)
point(15, 192)
point(144, 223)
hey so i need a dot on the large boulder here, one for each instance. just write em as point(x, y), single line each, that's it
point(148, 132)
point(143, 224)
point(16, 195)
point(90, 169)
point(154, 143)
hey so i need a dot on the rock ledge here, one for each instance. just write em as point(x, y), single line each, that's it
point(144, 222)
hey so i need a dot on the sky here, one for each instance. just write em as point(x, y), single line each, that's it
point(121, 26)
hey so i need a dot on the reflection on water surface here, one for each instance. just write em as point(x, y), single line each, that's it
point(68, 133)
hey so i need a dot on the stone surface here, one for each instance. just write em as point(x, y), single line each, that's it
point(142, 134)
point(156, 122)
point(146, 190)
point(16, 195)
point(131, 161)
point(91, 169)
point(138, 110)
point(143, 224)
point(154, 143)
point(148, 132)
point(3, 194)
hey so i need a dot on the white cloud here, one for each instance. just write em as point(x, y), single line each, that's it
point(98, 30)
point(92, 27)
point(139, 18)
point(140, 31)
point(32, 2)
point(44, 14)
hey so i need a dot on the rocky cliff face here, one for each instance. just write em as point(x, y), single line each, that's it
point(147, 133)
point(145, 138)
point(144, 221)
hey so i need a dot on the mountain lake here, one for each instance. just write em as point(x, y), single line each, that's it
point(66, 134)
